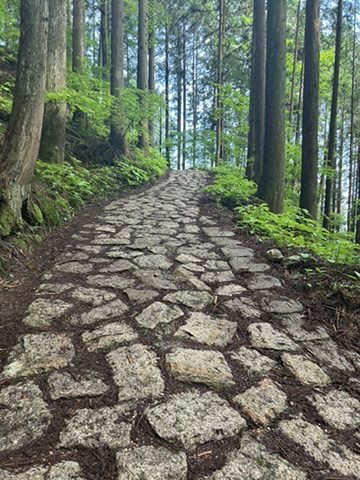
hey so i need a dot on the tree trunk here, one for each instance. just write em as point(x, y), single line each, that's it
point(332, 129)
point(194, 98)
point(299, 103)
point(117, 134)
point(184, 98)
point(309, 166)
point(293, 73)
point(78, 53)
point(152, 40)
point(250, 154)
point(21, 143)
point(52, 146)
point(341, 166)
point(179, 98)
point(104, 50)
point(357, 224)
point(219, 150)
point(272, 184)
point(142, 71)
point(167, 97)
point(259, 83)
point(350, 222)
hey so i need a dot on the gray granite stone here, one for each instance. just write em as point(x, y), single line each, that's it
point(153, 261)
point(208, 330)
point(190, 419)
point(110, 310)
point(74, 267)
point(263, 281)
point(252, 361)
point(281, 305)
point(64, 470)
point(111, 281)
point(158, 313)
point(43, 311)
point(109, 336)
point(136, 372)
point(264, 335)
point(217, 277)
point(24, 415)
point(107, 426)
point(230, 290)
point(243, 306)
point(38, 353)
point(94, 296)
point(151, 463)
point(199, 366)
point(141, 296)
point(67, 385)
point(195, 300)
point(338, 409)
point(307, 372)
point(263, 403)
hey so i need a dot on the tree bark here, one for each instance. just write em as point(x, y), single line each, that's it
point(179, 98)
point(296, 48)
point(142, 70)
point(330, 163)
point(21, 143)
point(117, 134)
point(309, 165)
point(152, 40)
point(219, 150)
point(78, 53)
point(52, 146)
point(184, 98)
point(167, 96)
point(272, 184)
point(357, 221)
point(194, 98)
point(259, 83)
point(104, 50)
point(350, 223)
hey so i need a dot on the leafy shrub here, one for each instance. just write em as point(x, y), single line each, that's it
point(293, 228)
point(230, 186)
point(141, 168)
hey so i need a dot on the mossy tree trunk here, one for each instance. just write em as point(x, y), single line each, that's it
point(78, 53)
point(52, 146)
point(117, 133)
point(21, 143)
point(142, 69)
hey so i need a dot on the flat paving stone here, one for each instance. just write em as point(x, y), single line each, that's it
point(60, 471)
point(295, 324)
point(217, 277)
point(253, 361)
point(217, 265)
point(328, 353)
point(43, 311)
point(94, 296)
point(264, 335)
point(320, 446)
point(151, 463)
point(208, 330)
point(107, 426)
point(230, 290)
point(109, 336)
point(199, 366)
point(156, 279)
point(111, 281)
point(187, 258)
point(54, 288)
point(118, 267)
point(123, 254)
point(263, 281)
point(236, 252)
point(244, 306)
point(136, 372)
point(158, 313)
point(263, 403)
point(24, 417)
point(153, 261)
point(141, 296)
point(38, 353)
point(281, 305)
point(110, 310)
point(306, 371)
point(192, 418)
point(194, 267)
point(67, 385)
point(254, 462)
point(74, 267)
point(195, 300)
point(338, 409)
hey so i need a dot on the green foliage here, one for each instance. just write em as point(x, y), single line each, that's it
point(6, 98)
point(141, 168)
point(291, 229)
point(230, 186)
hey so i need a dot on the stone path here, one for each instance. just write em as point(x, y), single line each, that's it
point(160, 348)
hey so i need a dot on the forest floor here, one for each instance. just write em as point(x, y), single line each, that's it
point(150, 340)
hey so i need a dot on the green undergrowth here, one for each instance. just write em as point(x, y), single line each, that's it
point(292, 229)
point(59, 189)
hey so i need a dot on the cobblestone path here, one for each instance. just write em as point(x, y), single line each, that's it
point(159, 348)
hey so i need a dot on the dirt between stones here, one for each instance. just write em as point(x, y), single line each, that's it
point(182, 192)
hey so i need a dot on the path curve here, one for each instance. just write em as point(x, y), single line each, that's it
point(159, 348)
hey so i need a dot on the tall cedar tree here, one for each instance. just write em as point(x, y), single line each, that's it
point(20, 146)
point(219, 150)
point(271, 188)
point(330, 160)
point(78, 54)
point(142, 69)
point(52, 146)
point(309, 166)
point(117, 134)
